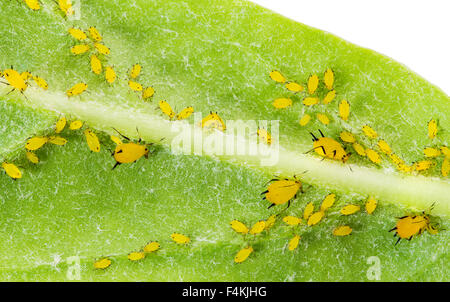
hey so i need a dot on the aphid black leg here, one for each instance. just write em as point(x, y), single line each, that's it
point(314, 138)
point(121, 134)
point(266, 191)
point(271, 206)
point(321, 133)
point(117, 163)
point(398, 241)
point(393, 229)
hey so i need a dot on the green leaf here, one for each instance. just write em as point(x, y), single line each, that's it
point(214, 56)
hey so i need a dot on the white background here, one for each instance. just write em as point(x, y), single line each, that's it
point(413, 32)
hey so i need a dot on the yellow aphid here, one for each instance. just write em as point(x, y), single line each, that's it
point(359, 149)
point(12, 170)
point(77, 34)
point(423, 165)
point(408, 226)
point(313, 83)
point(277, 76)
point(305, 119)
point(432, 129)
point(369, 132)
point(33, 4)
point(350, 209)
point(405, 168)
point(135, 71)
point(102, 49)
point(129, 152)
point(445, 169)
point(239, 227)
point(115, 139)
point(57, 140)
point(26, 75)
point(396, 159)
point(243, 254)
point(446, 151)
point(80, 49)
point(384, 147)
point(102, 263)
point(75, 125)
point(95, 35)
point(92, 140)
point(185, 113)
point(294, 87)
point(282, 191)
point(323, 118)
point(371, 205)
point(110, 75)
point(431, 152)
point(136, 256)
point(66, 7)
point(347, 137)
point(258, 227)
point(264, 135)
point(40, 82)
point(329, 97)
point(344, 110)
point(36, 142)
point(60, 125)
point(135, 86)
point(213, 120)
point(151, 247)
point(180, 238)
point(328, 78)
point(293, 243)
point(310, 101)
point(15, 80)
point(330, 148)
point(271, 221)
point(315, 218)
point(32, 157)
point(77, 89)
point(328, 202)
point(342, 230)
point(309, 209)
point(148, 93)
point(292, 220)
point(373, 156)
point(166, 109)
point(96, 64)
point(281, 103)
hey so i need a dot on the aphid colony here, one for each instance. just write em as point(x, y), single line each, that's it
point(328, 147)
point(284, 191)
point(138, 255)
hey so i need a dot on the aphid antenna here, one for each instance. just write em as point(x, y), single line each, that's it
point(122, 134)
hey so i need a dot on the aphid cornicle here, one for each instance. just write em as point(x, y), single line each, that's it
point(282, 191)
point(330, 148)
point(129, 152)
